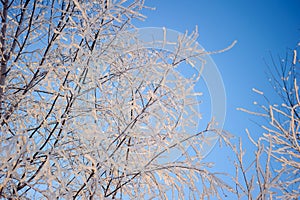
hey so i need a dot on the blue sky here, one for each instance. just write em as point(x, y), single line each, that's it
point(261, 27)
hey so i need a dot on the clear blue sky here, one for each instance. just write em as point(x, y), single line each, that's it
point(261, 27)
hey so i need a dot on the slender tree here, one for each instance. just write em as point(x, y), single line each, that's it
point(277, 159)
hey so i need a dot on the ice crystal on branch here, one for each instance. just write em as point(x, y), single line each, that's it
point(88, 110)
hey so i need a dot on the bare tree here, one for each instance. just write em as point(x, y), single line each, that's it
point(87, 113)
point(277, 159)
